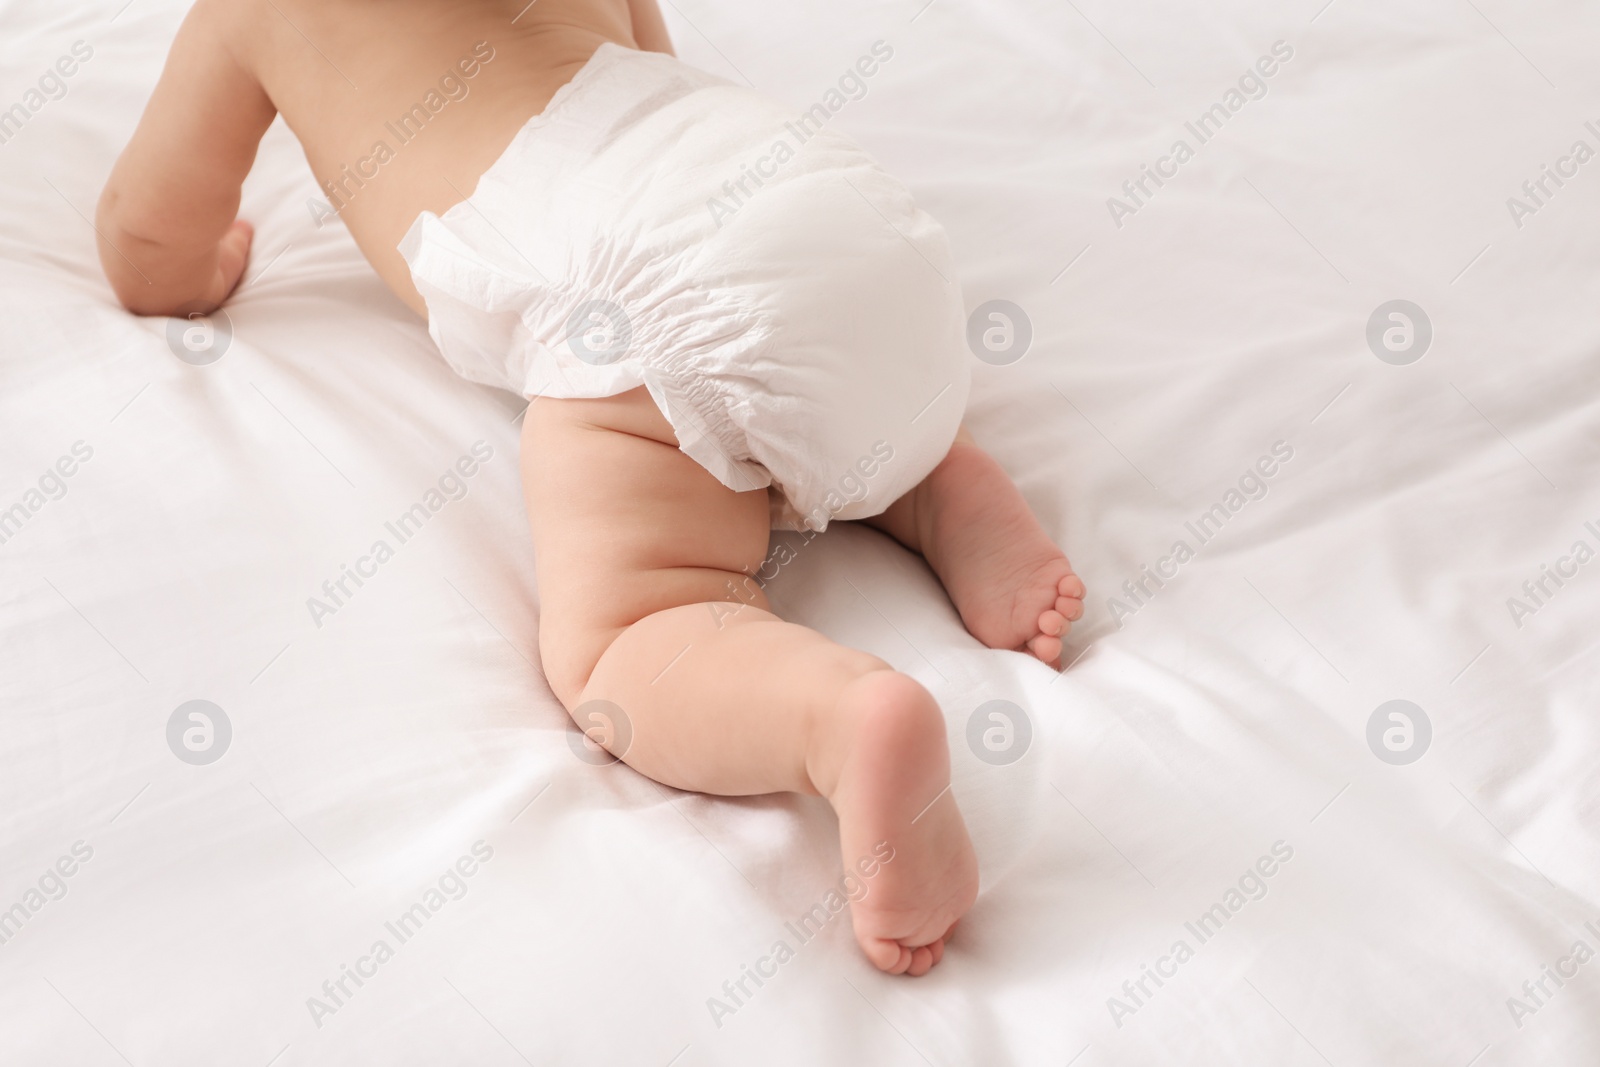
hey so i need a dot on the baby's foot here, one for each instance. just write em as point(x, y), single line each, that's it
point(1013, 587)
point(898, 820)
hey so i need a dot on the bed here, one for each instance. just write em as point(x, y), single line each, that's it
point(1319, 787)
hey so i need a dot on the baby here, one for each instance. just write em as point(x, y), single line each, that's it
point(728, 319)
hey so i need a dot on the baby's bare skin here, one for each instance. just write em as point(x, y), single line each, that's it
point(639, 549)
point(342, 75)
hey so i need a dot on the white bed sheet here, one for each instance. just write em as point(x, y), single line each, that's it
point(1229, 713)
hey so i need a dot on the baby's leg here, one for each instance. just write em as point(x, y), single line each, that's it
point(1013, 587)
point(642, 558)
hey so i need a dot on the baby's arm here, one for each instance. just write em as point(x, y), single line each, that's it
point(649, 29)
point(169, 242)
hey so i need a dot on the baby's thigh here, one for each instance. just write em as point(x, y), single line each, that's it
point(625, 525)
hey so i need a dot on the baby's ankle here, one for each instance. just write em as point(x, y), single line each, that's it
point(884, 724)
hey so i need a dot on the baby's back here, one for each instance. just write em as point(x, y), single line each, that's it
point(400, 105)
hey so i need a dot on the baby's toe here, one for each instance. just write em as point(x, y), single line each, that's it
point(888, 956)
point(1046, 648)
point(1052, 623)
point(937, 948)
point(921, 961)
point(1069, 607)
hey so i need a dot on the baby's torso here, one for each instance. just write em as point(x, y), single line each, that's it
point(401, 105)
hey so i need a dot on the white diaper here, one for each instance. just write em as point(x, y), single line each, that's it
point(793, 314)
